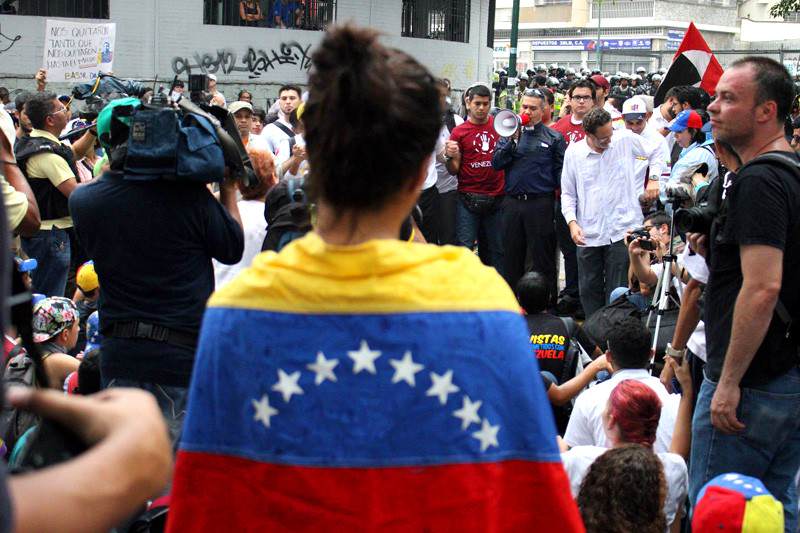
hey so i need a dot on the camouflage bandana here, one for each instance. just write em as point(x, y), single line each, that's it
point(51, 316)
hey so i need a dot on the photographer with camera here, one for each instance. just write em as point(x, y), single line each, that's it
point(152, 241)
point(746, 415)
point(647, 246)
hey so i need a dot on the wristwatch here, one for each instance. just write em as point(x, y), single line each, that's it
point(672, 352)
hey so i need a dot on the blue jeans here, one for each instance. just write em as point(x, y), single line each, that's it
point(171, 400)
point(51, 249)
point(636, 298)
point(768, 448)
point(468, 224)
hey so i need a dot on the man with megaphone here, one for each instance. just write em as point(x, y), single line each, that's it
point(531, 154)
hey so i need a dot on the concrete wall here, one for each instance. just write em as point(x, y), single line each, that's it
point(161, 38)
point(700, 14)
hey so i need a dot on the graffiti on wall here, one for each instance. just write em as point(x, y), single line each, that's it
point(7, 42)
point(254, 62)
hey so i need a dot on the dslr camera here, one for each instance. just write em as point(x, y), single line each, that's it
point(698, 219)
point(646, 241)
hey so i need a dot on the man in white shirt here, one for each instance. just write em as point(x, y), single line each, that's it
point(628, 351)
point(600, 191)
point(288, 100)
point(675, 101)
point(634, 113)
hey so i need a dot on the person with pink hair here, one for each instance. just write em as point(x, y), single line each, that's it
point(631, 416)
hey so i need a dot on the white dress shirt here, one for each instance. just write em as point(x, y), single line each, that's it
point(664, 156)
point(601, 190)
point(585, 426)
point(274, 135)
point(658, 123)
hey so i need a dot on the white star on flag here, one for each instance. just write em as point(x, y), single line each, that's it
point(442, 386)
point(264, 411)
point(468, 412)
point(404, 369)
point(364, 359)
point(323, 368)
point(287, 384)
point(487, 435)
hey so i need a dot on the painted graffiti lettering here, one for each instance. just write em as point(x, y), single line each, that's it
point(7, 42)
point(254, 63)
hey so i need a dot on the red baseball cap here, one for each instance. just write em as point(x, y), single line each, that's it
point(601, 81)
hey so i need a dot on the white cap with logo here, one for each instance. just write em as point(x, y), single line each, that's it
point(634, 109)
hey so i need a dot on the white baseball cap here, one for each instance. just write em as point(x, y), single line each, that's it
point(634, 109)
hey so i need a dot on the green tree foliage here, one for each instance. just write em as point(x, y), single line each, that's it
point(784, 7)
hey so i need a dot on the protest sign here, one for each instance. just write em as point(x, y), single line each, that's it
point(78, 51)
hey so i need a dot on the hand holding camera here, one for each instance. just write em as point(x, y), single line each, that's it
point(640, 242)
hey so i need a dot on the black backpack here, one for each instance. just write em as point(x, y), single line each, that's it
point(598, 325)
point(20, 371)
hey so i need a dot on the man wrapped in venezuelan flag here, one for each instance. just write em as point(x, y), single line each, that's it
point(357, 382)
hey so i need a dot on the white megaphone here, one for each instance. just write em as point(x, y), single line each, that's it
point(507, 123)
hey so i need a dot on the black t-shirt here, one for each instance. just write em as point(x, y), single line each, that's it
point(550, 343)
point(152, 244)
point(763, 207)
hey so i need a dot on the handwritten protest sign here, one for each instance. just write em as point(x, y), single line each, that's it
point(78, 51)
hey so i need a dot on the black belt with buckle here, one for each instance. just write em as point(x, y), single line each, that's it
point(153, 332)
point(532, 195)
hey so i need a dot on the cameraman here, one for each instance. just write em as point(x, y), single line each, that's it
point(746, 415)
point(647, 247)
point(152, 243)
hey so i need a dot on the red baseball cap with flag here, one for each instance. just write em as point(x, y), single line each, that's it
point(694, 64)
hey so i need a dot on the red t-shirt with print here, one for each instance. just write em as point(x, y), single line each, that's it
point(572, 132)
point(477, 142)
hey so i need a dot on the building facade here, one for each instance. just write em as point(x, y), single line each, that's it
point(633, 33)
point(159, 39)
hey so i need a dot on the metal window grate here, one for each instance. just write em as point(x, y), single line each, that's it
point(634, 8)
point(305, 15)
point(444, 20)
point(90, 9)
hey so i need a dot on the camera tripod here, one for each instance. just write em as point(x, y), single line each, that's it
point(662, 295)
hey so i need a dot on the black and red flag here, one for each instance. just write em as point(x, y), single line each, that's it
point(693, 64)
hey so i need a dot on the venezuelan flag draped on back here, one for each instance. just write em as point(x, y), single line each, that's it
point(382, 387)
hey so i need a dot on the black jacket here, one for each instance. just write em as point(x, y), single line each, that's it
point(533, 165)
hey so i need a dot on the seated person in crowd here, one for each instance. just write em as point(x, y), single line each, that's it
point(646, 265)
point(623, 492)
point(631, 417)
point(628, 351)
point(85, 298)
point(552, 339)
point(55, 330)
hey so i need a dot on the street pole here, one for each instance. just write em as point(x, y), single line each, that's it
point(599, 43)
point(512, 60)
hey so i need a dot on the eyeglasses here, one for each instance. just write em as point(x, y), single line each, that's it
point(59, 111)
point(533, 92)
point(581, 98)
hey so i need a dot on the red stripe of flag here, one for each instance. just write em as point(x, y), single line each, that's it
point(237, 494)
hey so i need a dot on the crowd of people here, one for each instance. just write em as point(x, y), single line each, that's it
point(373, 333)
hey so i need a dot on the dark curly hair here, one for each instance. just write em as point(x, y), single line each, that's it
point(624, 492)
point(372, 118)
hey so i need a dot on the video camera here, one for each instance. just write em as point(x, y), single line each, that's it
point(646, 241)
point(187, 140)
